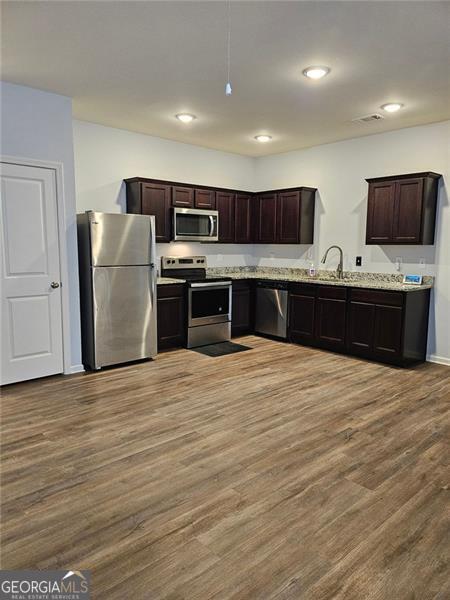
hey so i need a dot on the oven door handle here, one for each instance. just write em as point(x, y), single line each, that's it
point(211, 285)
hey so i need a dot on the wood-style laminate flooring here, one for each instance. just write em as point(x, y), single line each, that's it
point(282, 472)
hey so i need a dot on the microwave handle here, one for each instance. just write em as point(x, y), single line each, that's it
point(211, 225)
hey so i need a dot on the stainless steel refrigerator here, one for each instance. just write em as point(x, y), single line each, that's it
point(117, 258)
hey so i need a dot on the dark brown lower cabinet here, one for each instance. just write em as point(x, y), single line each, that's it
point(302, 306)
point(242, 308)
point(360, 326)
point(171, 314)
point(388, 326)
point(331, 316)
point(375, 329)
point(387, 331)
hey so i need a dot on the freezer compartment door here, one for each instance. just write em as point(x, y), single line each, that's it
point(118, 239)
point(124, 314)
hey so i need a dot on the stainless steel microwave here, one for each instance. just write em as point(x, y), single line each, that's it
point(195, 225)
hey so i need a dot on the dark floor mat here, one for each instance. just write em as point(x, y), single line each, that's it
point(221, 349)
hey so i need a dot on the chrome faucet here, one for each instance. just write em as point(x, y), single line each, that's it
point(340, 267)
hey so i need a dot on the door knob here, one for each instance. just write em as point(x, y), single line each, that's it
point(54, 284)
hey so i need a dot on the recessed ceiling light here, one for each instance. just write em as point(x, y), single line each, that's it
point(263, 138)
point(392, 106)
point(185, 117)
point(316, 72)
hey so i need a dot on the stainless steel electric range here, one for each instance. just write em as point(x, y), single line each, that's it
point(209, 300)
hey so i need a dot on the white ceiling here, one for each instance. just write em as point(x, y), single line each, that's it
point(133, 65)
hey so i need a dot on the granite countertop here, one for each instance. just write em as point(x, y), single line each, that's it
point(380, 281)
point(169, 280)
point(376, 281)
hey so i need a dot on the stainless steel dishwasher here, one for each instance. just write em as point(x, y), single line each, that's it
point(271, 308)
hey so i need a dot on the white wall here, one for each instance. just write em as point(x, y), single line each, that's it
point(105, 156)
point(38, 125)
point(339, 171)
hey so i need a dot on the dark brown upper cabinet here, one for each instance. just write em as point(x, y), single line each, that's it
point(242, 219)
point(288, 217)
point(401, 209)
point(285, 217)
point(183, 197)
point(205, 199)
point(277, 217)
point(380, 212)
point(151, 199)
point(225, 205)
point(266, 219)
point(295, 216)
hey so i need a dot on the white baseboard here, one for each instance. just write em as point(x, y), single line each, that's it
point(440, 360)
point(75, 369)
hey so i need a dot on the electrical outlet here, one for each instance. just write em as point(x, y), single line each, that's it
point(309, 254)
point(422, 263)
point(398, 263)
point(359, 261)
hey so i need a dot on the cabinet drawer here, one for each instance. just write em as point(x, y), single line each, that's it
point(377, 297)
point(304, 289)
point(171, 290)
point(182, 196)
point(205, 199)
point(330, 291)
point(241, 284)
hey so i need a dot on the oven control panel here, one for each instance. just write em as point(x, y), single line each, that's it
point(183, 262)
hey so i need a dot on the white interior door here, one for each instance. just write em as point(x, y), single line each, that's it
point(31, 294)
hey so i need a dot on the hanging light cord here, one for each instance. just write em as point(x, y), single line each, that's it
point(229, 41)
point(228, 89)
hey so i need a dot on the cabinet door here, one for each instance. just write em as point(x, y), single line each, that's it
point(288, 218)
point(225, 206)
point(360, 326)
point(330, 322)
point(241, 309)
point(171, 321)
point(408, 211)
point(380, 212)
point(301, 318)
point(182, 197)
point(205, 199)
point(266, 219)
point(156, 201)
point(387, 339)
point(243, 219)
